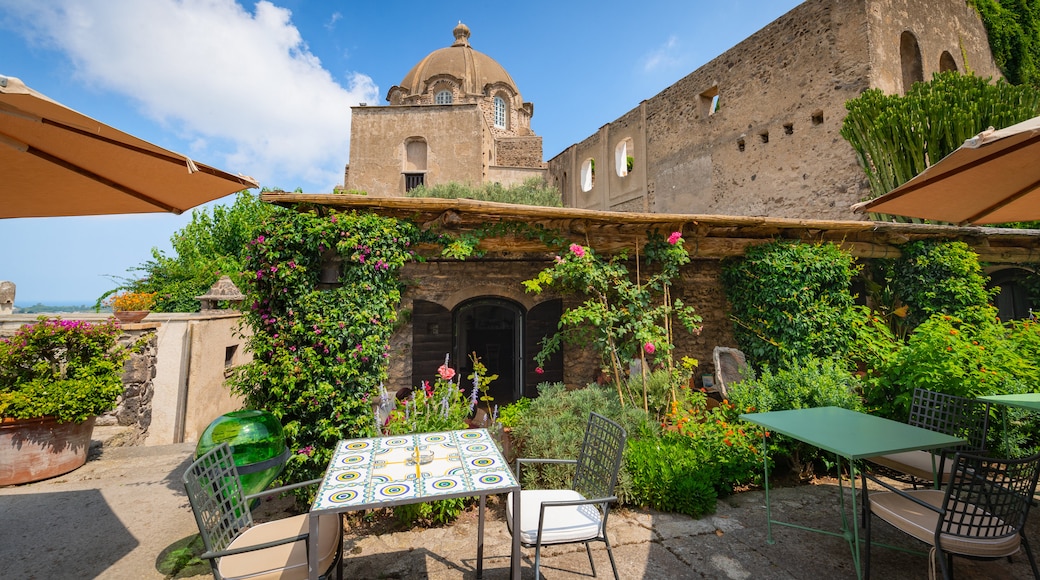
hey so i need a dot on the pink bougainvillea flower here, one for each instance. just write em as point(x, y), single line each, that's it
point(674, 238)
point(578, 250)
point(446, 372)
point(539, 370)
point(649, 348)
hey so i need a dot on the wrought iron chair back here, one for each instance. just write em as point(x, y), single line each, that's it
point(216, 497)
point(599, 458)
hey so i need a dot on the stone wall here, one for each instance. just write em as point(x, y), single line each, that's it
point(518, 152)
point(134, 408)
point(451, 283)
point(455, 137)
point(771, 143)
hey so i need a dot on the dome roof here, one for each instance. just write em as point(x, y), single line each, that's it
point(474, 69)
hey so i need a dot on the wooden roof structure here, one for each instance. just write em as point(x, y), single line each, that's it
point(706, 236)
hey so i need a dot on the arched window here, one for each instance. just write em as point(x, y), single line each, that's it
point(623, 159)
point(910, 57)
point(946, 62)
point(588, 174)
point(500, 113)
point(443, 97)
point(414, 169)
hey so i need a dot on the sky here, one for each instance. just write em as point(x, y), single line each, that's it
point(265, 89)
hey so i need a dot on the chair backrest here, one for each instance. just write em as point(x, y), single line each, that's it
point(952, 415)
point(599, 459)
point(216, 497)
point(988, 498)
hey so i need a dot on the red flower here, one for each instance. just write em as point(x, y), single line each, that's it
point(539, 370)
point(649, 348)
point(674, 238)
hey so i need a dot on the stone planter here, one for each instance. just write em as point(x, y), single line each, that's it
point(35, 449)
point(130, 316)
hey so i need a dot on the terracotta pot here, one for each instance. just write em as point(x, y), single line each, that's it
point(35, 449)
point(130, 316)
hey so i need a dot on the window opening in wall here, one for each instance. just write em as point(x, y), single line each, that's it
point(740, 145)
point(588, 174)
point(709, 101)
point(910, 57)
point(946, 62)
point(500, 112)
point(413, 180)
point(443, 97)
point(764, 136)
point(817, 118)
point(788, 128)
point(229, 355)
point(623, 160)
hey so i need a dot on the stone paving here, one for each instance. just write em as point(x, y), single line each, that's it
point(117, 516)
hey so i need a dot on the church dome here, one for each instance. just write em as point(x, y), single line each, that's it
point(475, 71)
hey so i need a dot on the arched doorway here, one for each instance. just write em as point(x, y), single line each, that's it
point(1012, 301)
point(493, 329)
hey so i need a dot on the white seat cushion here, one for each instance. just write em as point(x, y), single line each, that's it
point(920, 522)
point(285, 562)
point(916, 463)
point(562, 524)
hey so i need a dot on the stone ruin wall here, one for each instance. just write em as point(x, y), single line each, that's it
point(773, 147)
point(134, 407)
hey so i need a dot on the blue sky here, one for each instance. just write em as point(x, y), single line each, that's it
point(265, 89)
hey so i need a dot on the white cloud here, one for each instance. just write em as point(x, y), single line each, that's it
point(239, 86)
point(664, 57)
point(336, 16)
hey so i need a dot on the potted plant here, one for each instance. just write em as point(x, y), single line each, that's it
point(56, 376)
point(130, 306)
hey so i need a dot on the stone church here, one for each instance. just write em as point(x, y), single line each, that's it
point(754, 132)
point(457, 116)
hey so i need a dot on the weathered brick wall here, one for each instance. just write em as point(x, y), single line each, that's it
point(451, 283)
point(518, 152)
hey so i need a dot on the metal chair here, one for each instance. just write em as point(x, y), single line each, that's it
point(236, 547)
point(949, 414)
point(980, 515)
point(579, 514)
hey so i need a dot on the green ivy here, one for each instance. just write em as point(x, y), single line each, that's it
point(937, 276)
point(1013, 29)
point(791, 300)
point(320, 352)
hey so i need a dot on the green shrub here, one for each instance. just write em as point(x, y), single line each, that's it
point(939, 277)
point(554, 426)
point(791, 301)
point(513, 413)
point(431, 513)
point(802, 385)
point(670, 474)
point(533, 191)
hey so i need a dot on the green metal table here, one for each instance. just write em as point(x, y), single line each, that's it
point(1029, 401)
point(404, 469)
point(850, 436)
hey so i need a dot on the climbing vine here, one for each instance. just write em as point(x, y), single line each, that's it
point(1013, 29)
point(320, 349)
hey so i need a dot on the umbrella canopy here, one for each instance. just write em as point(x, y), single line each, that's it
point(57, 162)
point(993, 178)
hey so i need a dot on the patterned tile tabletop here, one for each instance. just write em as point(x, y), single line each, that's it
point(366, 473)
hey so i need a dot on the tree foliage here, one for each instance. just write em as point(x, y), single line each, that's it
point(533, 191)
point(212, 245)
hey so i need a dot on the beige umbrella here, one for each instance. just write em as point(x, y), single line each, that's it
point(993, 178)
point(57, 162)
